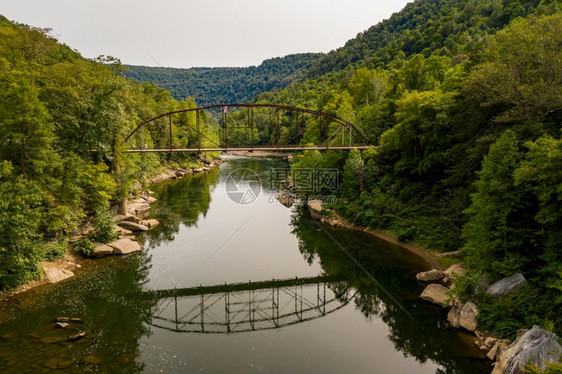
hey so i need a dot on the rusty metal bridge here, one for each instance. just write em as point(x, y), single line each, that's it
point(333, 133)
point(244, 307)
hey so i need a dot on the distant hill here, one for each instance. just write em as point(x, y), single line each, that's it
point(442, 27)
point(226, 85)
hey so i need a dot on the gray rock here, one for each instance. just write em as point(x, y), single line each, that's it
point(536, 347)
point(133, 226)
point(315, 208)
point(435, 293)
point(430, 276)
point(54, 275)
point(124, 246)
point(468, 315)
point(101, 250)
point(508, 285)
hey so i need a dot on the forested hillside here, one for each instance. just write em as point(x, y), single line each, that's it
point(430, 27)
point(62, 122)
point(468, 132)
point(226, 85)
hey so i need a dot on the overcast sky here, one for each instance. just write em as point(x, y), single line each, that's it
point(187, 33)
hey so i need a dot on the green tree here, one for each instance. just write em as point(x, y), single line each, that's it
point(488, 232)
point(522, 77)
point(26, 134)
point(20, 237)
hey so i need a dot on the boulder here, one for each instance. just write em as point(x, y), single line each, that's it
point(124, 246)
point(122, 231)
point(468, 315)
point(507, 286)
point(101, 250)
point(121, 217)
point(315, 208)
point(435, 293)
point(140, 208)
point(150, 199)
point(536, 347)
point(131, 218)
point(54, 275)
point(286, 199)
point(150, 223)
point(454, 316)
point(456, 269)
point(490, 342)
point(491, 355)
point(133, 226)
point(430, 276)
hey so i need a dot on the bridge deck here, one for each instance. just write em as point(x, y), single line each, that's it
point(238, 287)
point(250, 149)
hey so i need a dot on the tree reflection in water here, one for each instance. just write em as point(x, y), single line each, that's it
point(416, 328)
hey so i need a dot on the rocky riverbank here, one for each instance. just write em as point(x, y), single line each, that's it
point(134, 221)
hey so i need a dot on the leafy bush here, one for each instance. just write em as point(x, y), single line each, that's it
point(20, 236)
point(84, 247)
point(103, 228)
point(55, 251)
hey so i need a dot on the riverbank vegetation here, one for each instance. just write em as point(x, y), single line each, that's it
point(63, 119)
point(463, 102)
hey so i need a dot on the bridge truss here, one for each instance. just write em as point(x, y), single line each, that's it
point(344, 136)
point(229, 309)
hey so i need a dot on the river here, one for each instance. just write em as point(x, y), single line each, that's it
point(234, 282)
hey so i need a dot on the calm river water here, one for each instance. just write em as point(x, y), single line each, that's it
point(224, 287)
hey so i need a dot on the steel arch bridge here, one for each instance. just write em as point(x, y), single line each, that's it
point(351, 136)
point(244, 307)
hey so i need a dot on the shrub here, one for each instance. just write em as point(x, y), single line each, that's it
point(54, 251)
point(103, 228)
point(84, 247)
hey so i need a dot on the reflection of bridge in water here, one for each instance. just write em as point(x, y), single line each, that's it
point(252, 306)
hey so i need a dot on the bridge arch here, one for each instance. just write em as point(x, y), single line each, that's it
point(356, 138)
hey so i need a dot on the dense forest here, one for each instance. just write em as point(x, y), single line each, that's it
point(210, 86)
point(62, 122)
point(468, 142)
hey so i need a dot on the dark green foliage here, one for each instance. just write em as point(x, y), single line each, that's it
point(20, 238)
point(84, 246)
point(527, 307)
point(226, 85)
point(104, 231)
point(55, 251)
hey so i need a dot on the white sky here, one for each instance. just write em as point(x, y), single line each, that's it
point(187, 33)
